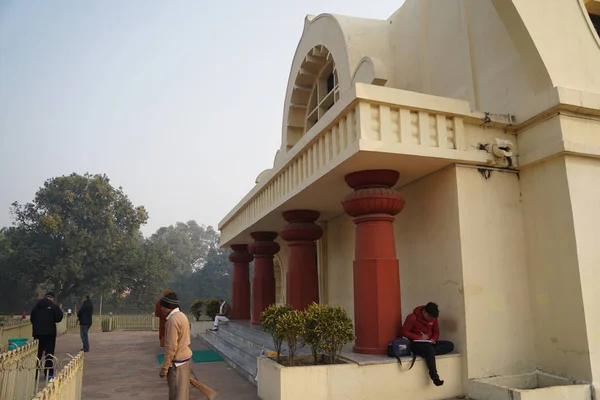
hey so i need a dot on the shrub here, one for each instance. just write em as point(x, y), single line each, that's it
point(290, 326)
point(196, 309)
point(212, 307)
point(315, 318)
point(336, 330)
point(268, 320)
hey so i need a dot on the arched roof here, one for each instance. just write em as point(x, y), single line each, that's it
point(329, 38)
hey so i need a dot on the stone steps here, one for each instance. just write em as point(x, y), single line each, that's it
point(240, 344)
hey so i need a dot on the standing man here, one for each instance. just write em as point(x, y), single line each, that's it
point(177, 364)
point(222, 316)
point(84, 316)
point(161, 319)
point(44, 317)
point(422, 329)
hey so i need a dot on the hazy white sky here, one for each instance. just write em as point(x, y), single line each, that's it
point(180, 102)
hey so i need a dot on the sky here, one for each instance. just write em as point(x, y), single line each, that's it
point(179, 102)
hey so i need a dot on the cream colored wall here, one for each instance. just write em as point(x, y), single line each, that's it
point(499, 327)
point(339, 285)
point(584, 177)
point(428, 249)
point(280, 281)
point(555, 283)
point(488, 58)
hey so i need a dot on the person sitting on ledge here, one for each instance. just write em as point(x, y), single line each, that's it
point(421, 328)
point(223, 315)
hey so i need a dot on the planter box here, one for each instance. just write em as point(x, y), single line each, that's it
point(198, 327)
point(384, 381)
point(533, 386)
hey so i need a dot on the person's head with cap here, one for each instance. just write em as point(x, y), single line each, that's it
point(169, 302)
point(50, 296)
point(431, 311)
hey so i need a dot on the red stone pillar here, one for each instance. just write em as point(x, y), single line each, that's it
point(240, 291)
point(263, 282)
point(377, 309)
point(302, 278)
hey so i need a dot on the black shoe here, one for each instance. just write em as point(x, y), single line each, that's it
point(438, 382)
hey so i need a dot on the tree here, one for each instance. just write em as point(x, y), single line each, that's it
point(189, 244)
point(15, 293)
point(199, 268)
point(79, 234)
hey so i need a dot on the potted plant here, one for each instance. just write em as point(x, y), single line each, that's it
point(268, 320)
point(290, 326)
point(322, 328)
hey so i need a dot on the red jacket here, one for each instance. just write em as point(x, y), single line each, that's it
point(415, 324)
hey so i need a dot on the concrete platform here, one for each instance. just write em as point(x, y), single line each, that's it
point(123, 365)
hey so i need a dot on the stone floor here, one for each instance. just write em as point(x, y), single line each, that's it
point(123, 365)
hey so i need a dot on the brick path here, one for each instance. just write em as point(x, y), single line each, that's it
point(123, 365)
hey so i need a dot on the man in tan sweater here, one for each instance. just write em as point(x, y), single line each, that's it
point(178, 356)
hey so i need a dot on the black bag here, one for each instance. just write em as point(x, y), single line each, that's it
point(400, 347)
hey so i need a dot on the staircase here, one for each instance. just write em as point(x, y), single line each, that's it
point(239, 344)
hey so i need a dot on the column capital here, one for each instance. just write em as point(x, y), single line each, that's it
point(240, 254)
point(301, 226)
point(372, 193)
point(264, 244)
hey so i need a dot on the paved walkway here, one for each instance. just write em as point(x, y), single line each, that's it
point(123, 365)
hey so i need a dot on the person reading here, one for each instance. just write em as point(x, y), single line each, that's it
point(422, 329)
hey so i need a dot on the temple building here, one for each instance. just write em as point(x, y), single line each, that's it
point(450, 153)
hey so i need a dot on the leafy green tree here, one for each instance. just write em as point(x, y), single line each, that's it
point(290, 326)
point(199, 268)
point(79, 234)
point(15, 293)
point(336, 330)
point(315, 319)
point(268, 319)
point(188, 243)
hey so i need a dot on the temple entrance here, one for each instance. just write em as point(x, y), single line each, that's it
point(279, 281)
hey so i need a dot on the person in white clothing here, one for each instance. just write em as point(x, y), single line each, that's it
point(223, 315)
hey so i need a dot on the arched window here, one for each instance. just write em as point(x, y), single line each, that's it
point(315, 90)
point(324, 94)
point(593, 10)
point(596, 22)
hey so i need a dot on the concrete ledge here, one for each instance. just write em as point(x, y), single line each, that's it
point(199, 327)
point(381, 379)
point(532, 386)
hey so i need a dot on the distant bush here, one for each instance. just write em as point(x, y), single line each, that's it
point(196, 309)
point(212, 307)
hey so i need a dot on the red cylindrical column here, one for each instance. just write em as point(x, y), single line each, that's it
point(263, 282)
point(240, 290)
point(377, 308)
point(302, 278)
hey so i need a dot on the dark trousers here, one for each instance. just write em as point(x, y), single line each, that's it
point(46, 344)
point(83, 332)
point(428, 351)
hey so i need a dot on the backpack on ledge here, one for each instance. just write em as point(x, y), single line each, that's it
point(400, 347)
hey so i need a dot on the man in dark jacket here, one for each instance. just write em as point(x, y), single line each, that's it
point(422, 329)
point(84, 315)
point(44, 317)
